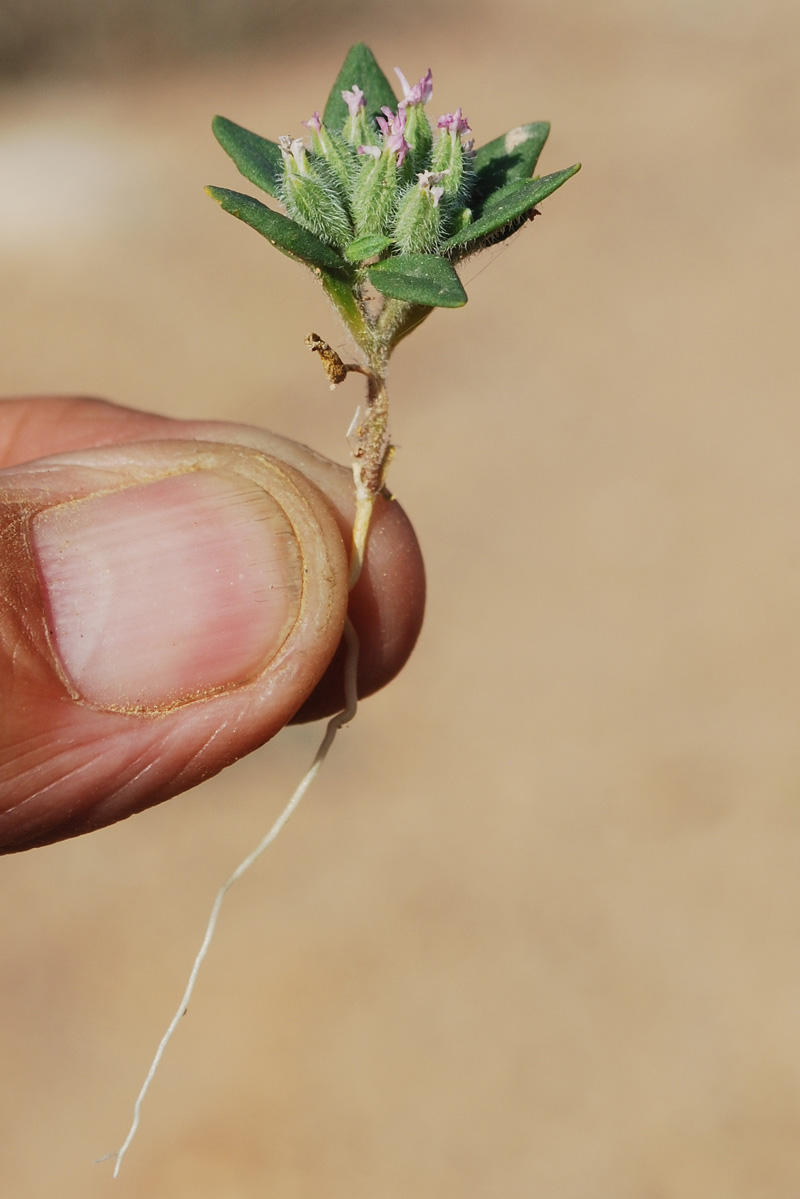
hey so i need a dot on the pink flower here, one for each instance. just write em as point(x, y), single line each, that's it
point(314, 123)
point(354, 100)
point(426, 178)
point(392, 126)
point(373, 151)
point(455, 123)
point(420, 93)
point(294, 153)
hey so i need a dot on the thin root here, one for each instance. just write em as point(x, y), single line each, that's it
point(334, 724)
point(366, 490)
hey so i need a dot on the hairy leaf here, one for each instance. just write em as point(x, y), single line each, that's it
point(259, 160)
point(419, 279)
point(359, 67)
point(504, 211)
point(282, 232)
point(368, 246)
point(339, 291)
point(510, 157)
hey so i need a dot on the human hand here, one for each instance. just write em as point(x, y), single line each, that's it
point(174, 592)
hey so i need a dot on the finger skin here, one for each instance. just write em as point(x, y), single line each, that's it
point(388, 602)
point(71, 768)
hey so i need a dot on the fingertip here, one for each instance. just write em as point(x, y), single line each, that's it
point(183, 638)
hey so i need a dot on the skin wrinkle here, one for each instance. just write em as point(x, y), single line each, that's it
point(99, 746)
point(201, 750)
point(97, 749)
point(131, 779)
point(63, 776)
point(30, 746)
point(59, 765)
point(121, 794)
point(171, 740)
point(50, 737)
point(192, 759)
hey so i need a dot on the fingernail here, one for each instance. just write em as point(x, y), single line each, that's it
point(169, 591)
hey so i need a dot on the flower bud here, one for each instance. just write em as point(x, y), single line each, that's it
point(419, 215)
point(418, 130)
point(419, 136)
point(310, 195)
point(420, 93)
point(392, 126)
point(357, 130)
point(335, 152)
point(451, 156)
point(375, 193)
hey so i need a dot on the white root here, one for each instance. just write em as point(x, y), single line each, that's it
point(364, 505)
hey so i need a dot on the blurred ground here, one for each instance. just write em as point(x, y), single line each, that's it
point(535, 931)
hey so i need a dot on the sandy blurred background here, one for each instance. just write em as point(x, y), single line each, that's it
point(537, 930)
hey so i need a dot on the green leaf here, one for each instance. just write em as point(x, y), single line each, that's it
point(368, 246)
point(505, 211)
point(359, 67)
point(340, 292)
point(409, 318)
point(512, 156)
point(259, 160)
point(285, 234)
point(419, 279)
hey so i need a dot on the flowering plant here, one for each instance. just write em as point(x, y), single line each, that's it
point(382, 208)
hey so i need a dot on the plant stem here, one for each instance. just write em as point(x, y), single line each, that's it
point(368, 435)
point(371, 452)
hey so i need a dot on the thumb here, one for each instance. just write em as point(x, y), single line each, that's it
point(167, 607)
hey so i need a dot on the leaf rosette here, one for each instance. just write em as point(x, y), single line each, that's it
point(381, 205)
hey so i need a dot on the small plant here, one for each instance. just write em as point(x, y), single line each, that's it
point(381, 207)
